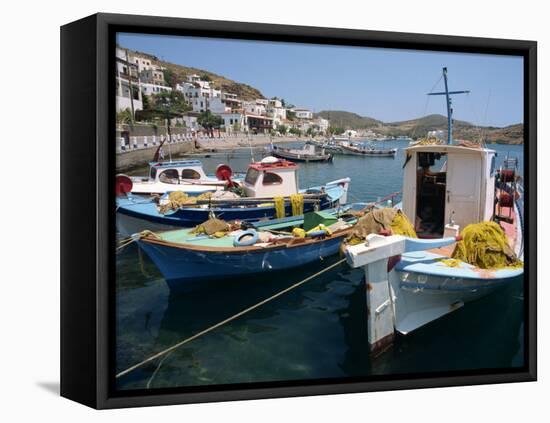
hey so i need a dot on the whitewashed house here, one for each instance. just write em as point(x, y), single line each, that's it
point(198, 93)
point(301, 113)
point(234, 122)
point(276, 111)
point(128, 87)
point(256, 107)
point(152, 76)
point(150, 89)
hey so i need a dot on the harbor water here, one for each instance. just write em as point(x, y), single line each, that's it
point(317, 331)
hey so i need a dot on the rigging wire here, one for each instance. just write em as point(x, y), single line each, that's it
point(426, 104)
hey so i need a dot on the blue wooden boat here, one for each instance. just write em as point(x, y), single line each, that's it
point(185, 259)
point(264, 181)
point(135, 213)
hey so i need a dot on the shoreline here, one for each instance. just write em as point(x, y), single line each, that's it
point(234, 143)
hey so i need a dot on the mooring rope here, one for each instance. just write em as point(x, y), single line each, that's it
point(229, 319)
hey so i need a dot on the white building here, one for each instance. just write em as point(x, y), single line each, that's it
point(256, 107)
point(276, 111)
point(150, 89)
point(142, 63)
point(198, 93)
point(322, 124)
point(301, 113)
point(128, 94)
point(152, 76)
point(350, 133)
point(234, 122)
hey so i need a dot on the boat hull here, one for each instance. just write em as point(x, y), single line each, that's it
point(304, 158)
point(133, 218)
point(368, 153)
point(186, 268)
point(424, 288)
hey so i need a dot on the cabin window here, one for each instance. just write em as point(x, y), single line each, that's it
point(272, 179)
point(190, 174)
point(169, 176)
point(251, 176)
point(153, 173)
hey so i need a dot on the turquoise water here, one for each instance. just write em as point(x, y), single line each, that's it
point(317, 331)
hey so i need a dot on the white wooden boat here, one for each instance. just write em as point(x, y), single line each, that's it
point(183, 175)
point(446, 187)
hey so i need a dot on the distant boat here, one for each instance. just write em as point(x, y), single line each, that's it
point(361, 150)
point(308, 153)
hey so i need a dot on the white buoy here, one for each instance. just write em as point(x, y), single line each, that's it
point(373, 255)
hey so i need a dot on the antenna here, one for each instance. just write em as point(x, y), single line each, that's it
point(448, 94)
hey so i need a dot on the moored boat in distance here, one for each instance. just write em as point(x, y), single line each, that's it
point(366, 150)
point(308, 153)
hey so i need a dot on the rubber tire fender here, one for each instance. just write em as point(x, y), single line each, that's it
point(247, 242)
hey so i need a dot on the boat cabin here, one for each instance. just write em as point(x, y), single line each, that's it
point(271, 177)
point(176, 172)
point(448, 185)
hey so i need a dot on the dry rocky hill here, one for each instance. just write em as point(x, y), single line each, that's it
point(415, 128)
point(174, 74)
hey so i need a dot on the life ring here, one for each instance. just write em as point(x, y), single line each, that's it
point(246, 238)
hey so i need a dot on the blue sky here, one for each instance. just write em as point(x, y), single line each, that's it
point(385, 84)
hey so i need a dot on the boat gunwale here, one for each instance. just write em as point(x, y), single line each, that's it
point(252, 248)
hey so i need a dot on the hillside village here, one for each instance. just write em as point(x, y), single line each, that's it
point(211, 106)
point(146, 80)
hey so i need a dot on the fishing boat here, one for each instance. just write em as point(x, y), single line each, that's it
point(267, 182)
point(366, 150)
point(180, 175)
point(446, 187)
point(185, 258)
point(308, 153)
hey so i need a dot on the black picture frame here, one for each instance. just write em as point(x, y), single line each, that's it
point(87, 199)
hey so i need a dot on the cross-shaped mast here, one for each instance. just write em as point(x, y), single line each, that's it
point(448, 94)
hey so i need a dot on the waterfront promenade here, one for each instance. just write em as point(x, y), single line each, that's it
point(139, 150)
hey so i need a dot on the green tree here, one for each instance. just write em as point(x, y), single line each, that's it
point(290, 115)
point(170, 77)
point(295, 131)
point(124, 116)
point(205, 77)
point(209, 122)
point(334, 130)
point(282, 129)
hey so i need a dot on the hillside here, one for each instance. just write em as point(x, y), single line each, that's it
point(415, 128)
point(174, 74)
point(348, 120)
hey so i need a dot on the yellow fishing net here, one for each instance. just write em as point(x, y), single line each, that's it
point(400, 225)
point(381, 219)
point(484, 245)
point(428, 141)
point(297, 203)
point(279, 207)
point(213, 227)
point(177, 199)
